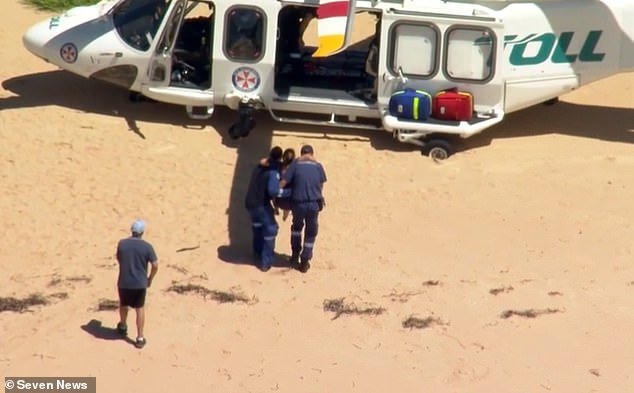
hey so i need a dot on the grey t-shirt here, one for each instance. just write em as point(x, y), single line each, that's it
point(133, 255)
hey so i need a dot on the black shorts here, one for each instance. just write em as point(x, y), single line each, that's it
point(134, 298)
point(283, 203)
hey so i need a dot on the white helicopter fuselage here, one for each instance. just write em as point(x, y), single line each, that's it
point(201, 54)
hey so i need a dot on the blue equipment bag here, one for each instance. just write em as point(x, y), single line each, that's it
point(410, 104)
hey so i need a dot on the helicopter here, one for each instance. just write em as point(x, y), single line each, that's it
point(429, 70)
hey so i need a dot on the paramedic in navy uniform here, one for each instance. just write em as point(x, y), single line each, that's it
point(306, 177)
point(263, 187)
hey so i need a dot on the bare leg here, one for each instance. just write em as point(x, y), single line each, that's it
point(140, 321)
point(123, 314)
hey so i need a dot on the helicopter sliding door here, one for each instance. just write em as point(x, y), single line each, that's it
point(180, 67)
point(435, 52)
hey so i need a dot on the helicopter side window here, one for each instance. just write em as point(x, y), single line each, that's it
point(244, 34)
point(137, 21)
point(414, 50)
point(469, 53)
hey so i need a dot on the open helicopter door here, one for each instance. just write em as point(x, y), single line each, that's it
point(180, 66)
point(434, 52)
point(244, 60)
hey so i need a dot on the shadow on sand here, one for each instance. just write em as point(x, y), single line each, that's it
point(64, 89)
point(97, 330)
point(61, 88)
point(241, 254)
point(585, 121)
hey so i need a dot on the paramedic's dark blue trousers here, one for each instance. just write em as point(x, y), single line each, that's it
point(304, 213)
point(264, 232)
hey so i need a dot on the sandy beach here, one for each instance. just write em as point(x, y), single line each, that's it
point(517, 250)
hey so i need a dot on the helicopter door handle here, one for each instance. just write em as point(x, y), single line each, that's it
point(401, 75)
point(387, 77)
point(115, 54)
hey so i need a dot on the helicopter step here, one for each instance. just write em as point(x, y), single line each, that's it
point(200, 112)
point(332, 121)
point(312, 95)
point(300, 99)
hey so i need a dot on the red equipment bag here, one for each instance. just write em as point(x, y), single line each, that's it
point(452, 105)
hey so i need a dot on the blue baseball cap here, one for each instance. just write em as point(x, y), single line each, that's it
point(138, 227)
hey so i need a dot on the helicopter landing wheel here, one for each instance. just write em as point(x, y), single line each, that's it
point(437, 149)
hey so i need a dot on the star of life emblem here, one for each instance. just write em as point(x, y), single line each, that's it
point(245, 79)
point(68, 53)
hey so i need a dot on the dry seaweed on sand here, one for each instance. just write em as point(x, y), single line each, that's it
point(338, 307)
point(57, 280)
point(188, 248)
point(85, 279)
point(187, 288)
point(496, 291)
point(401, 297)
point(107, 305)
point(22, 305)
point(59, 295)
point(228, 297)
point(530, 313)
point(219, 296)
point(179, 269)
point(420, 323)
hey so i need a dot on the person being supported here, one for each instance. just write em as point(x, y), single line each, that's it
point(283, 200)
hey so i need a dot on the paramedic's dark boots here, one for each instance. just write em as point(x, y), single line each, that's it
point(304, 266)
point(294, 261)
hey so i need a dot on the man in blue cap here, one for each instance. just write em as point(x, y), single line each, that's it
point(263, 187)
point(306, 178)
point(133, 255)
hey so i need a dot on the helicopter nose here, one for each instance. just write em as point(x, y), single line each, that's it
point(36, 38)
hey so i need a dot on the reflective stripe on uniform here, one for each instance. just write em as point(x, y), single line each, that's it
point(257, 224)
point(309, 245)
point(296, 233)
point(269, 238)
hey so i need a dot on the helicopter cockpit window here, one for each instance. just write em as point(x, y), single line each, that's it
point(244, 35)
point(137, 21)
point(469, 54)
